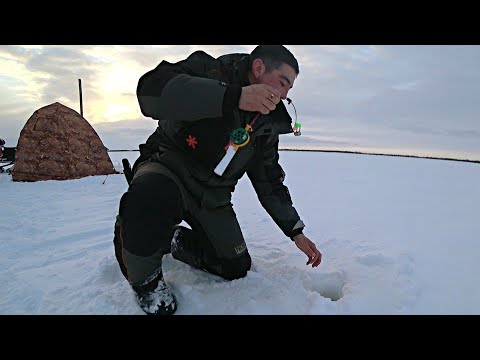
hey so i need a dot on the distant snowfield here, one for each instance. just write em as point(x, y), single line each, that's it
point(398, 236)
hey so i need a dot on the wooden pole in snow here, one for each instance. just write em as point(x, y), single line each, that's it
point(81, 101)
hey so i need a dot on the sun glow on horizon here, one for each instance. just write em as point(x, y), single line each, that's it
point(115, 85)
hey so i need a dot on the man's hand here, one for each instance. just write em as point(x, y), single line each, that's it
point(309, 248)
point(259, 97)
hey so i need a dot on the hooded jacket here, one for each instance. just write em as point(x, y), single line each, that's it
point(196, 104)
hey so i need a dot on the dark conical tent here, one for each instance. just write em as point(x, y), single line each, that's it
point(57, 143)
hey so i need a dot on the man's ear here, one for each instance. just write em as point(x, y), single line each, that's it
point(258, 68)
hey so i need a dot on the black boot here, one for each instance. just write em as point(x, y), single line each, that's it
point(155, 297)
point(186, 250)
point(192, 248)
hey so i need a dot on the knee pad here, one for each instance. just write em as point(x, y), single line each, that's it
point(117, 243)
point(235, 268)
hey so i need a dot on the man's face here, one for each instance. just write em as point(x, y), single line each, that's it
point(281, 79)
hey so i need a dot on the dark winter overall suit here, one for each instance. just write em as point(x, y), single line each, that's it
point(196, 103)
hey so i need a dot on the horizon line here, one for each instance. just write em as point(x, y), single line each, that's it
point(355, 152)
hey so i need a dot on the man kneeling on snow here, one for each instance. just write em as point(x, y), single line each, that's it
point(218, 119)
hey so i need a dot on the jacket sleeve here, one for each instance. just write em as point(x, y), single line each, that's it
point(183, 91)
point(267, 178)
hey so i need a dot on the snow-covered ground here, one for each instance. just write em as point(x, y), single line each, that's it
point(398, 236)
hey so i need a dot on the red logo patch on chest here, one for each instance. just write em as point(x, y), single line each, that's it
point(192, 141)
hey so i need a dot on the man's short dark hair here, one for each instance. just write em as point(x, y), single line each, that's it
point(273, 56)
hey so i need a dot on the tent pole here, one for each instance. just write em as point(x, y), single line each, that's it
point(80, 91)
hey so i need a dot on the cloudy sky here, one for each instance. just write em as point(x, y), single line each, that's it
point(418, 99)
